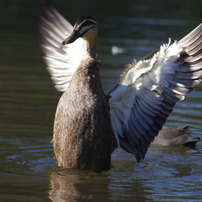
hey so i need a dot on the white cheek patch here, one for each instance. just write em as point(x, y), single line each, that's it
point(84, 29)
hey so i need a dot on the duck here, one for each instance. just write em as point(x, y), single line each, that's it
point(89, 124)
point(175, 136)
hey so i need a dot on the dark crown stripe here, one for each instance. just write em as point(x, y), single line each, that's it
point(85, 21)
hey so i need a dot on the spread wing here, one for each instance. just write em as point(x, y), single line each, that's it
point(60, 60)
point(149, 89)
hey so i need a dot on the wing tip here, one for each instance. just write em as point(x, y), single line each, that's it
point(197, 31)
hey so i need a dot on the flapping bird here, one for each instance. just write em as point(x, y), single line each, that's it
point(89, 124)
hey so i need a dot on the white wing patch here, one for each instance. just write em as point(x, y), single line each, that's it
point(62, 61)
point(147, 75)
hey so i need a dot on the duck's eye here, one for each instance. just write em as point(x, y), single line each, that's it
point(88, 23)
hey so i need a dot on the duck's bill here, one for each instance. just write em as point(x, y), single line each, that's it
point(73, 37)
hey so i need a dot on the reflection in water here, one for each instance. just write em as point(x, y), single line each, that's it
point(71, 185)
point(62, 187)
point(113, 185)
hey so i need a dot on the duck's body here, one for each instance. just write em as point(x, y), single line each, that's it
point(175, 136)
point(88, 124)
point(82, 131)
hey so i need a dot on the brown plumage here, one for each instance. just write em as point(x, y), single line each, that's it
point(87, 141)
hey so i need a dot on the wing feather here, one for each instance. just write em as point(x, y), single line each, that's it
point(149, 89)
point(60, 60)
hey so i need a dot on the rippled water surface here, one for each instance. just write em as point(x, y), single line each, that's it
point(28, 101)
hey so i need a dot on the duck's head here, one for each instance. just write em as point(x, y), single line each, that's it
point(85, 27)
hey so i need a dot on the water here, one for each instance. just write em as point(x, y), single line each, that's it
point(28, 101)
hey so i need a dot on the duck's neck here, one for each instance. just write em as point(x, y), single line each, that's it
point(90, 45)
